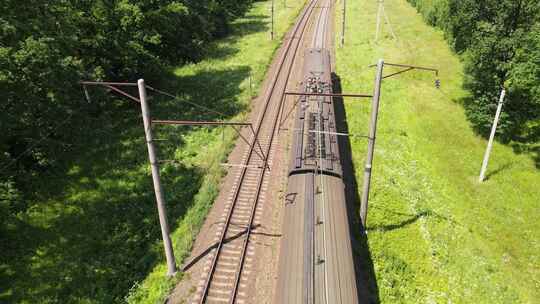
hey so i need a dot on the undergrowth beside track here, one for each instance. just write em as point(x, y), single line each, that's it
point(435, 234)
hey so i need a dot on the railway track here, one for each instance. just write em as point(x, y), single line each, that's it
point(225, 279)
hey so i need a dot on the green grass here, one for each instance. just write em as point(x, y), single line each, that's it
point(239, 61)
point(435, 234)
point(90, 233)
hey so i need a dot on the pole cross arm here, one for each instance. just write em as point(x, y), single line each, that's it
point(397, 73)
point(414, 67)
point(199, 123)
point(112, 86)
point(407, 67)
point(118, 84)
point(117, 90)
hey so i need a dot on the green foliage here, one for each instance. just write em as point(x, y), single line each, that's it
point(435, 234)
point(498, 39)
point(51, 135)
point(524, 76)
point(48, 47)
point(9, 201)
point(435, 11)
point(78, 216)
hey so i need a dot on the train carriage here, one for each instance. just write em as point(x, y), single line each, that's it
point(316, 263)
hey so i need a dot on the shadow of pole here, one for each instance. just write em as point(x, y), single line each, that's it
point(500, 169)
point(368, 290)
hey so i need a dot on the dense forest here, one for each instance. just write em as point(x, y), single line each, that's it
point(500, 44)
point(46, 49)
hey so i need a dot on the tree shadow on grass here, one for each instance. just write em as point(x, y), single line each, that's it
point(98, 233)
point(215, 90)
point(368, 290)
point(247, 25)
point(517, 131)
point(93, 228)
point(530, 147)
point(250, 24)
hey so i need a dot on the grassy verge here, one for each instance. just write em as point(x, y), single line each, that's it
point(435, 234)
point(235, 64)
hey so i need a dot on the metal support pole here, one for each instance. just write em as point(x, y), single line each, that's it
point(250, 86)
point(371, 142)
point(343, 24)
point(389, 24)
point(86, 94)
point(378, 20)
point(272, 29)
point(171, 263)
point(491, 137)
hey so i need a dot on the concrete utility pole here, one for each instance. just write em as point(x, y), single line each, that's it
point(169, 254)
point(343, 24)
point(371, 142)
point(491, 137)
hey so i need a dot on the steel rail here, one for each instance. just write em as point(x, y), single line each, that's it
point(265, 157)
point(305, 15)
point(261, 176)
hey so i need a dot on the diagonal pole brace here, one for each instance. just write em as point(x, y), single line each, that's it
point(112, 86)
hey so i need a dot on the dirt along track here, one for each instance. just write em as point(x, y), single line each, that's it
point(234, 258)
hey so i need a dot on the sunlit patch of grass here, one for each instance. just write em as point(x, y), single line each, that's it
point(435, 234)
